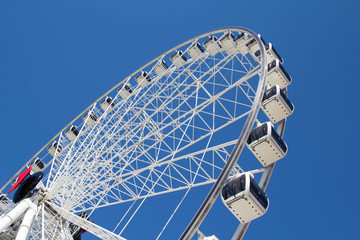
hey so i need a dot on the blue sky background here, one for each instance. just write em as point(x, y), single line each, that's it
point(57, 57)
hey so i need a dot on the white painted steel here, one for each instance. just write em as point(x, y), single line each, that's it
point(161, 138)
point(26, 223)
point(86, 225)
point(14, 214)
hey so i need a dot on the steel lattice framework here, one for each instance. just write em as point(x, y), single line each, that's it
point(173, 135)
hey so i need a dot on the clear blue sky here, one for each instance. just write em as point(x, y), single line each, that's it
point(57, 57)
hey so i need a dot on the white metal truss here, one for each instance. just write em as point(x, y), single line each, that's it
point(177, 133)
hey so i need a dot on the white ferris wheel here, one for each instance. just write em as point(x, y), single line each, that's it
point(178, 123)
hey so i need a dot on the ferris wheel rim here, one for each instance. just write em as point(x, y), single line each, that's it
point(261, 82)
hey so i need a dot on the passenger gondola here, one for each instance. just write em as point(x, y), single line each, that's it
point(125, 91)
point(203, 237)
point(160, 68)
point(244, 198)
point(37, 165)
point(276, 105)
point(253, 46)
point(240, 42)
point(277, 75)
point(107, 104)
point(4, 198)
point(266, 144)
point(227, 42)
point(178, 59)
point(212, 46)
point(195, 51)
point(72, 132)
point(90, 119)
point(143, 79)
point(271, 54)
point(5, 203)
point(54, 148)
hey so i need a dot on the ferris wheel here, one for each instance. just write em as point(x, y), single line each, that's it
point(173, 126)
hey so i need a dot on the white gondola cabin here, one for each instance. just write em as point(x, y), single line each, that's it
point(240, 42)
point(244, 198)
point(37, 165)
point(5, 205)
point(54, 148)
point(178, 59)
point(212, 46)
point(4, 199)
point(107, 104)
point(271, 54)
point(160, 68)
point(266, 144)
point(195, 51)
point(227, 42)
point(212, 237)
point(90, 119)
point(125, 91)
point(277, 75)
point(253, 46)
point(143, 79)
point(71, 133)
point(276, 105)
